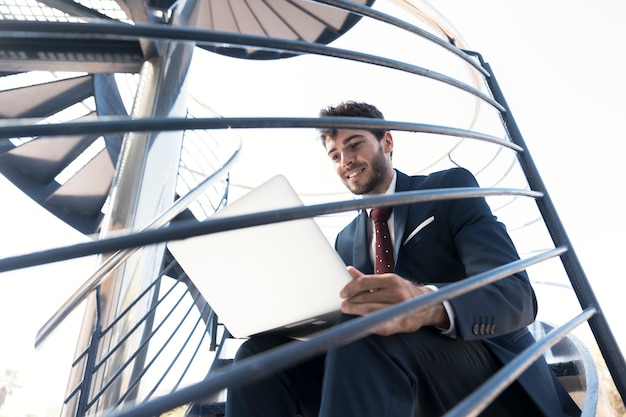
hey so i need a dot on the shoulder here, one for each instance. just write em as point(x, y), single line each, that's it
point(449, 178)
point(351, 227)
point(344, 241)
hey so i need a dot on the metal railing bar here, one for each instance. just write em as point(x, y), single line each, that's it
point(75, 9)
point(480, 399)
point(479, 171)
point(512, 200)
point(200, 155)
point(193, 356)
point(599, 325)
point(212, 206)
point(85, 386)
point(553, 284)
point(110, 30)
point(78, 388)
point(175, 358)
point(125, 311)
point(80, 357)
point(122, 254)
point(267, 363)
point(213, 322)
point(147, 367)
point(168, 268)
point(188, 154)
point(217, 364)
point(113, 124)
point(202, 303)
point(131, 357)
point(399, 23)
point(88, 353)
point(135, 327)
point(179, 280)
point(185, 229)
point(144, 292)
point(139, 322)
point(506, 173)
point(525, 225)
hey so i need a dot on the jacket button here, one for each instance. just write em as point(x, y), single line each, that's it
point(493, 328)
point(482, 329)
point(476, 329)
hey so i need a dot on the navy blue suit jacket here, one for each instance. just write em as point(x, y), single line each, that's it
point(440, 242)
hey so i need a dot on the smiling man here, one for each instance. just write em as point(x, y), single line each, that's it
point(424, 363)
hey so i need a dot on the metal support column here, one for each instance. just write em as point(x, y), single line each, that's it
point(143, 187)
point(586, 297)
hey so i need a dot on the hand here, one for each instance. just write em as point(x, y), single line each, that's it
point(366, 294)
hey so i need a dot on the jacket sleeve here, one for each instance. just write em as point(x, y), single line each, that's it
point(482, 243)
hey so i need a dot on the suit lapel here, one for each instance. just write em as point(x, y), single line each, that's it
point(361, 253)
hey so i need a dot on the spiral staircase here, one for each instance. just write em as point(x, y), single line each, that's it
point(99, 126)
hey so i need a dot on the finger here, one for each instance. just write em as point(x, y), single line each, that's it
point(362, 283)
point(359, 288)
point(361, 309)
point(355, 286)
point(355, 273)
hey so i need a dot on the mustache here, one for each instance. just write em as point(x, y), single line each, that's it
point(352, 168)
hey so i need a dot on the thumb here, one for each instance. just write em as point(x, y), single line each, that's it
point(354, 273)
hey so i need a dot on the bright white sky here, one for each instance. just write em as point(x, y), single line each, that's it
point(561, 68)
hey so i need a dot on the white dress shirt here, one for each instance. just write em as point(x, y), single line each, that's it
point(451, 331)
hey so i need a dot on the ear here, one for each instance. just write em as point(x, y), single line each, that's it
point(387, 142)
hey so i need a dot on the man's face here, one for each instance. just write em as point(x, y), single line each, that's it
point(362, 162)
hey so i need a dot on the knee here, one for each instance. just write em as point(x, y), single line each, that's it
point(259, 344)
point(354, 354)
point(248, 348)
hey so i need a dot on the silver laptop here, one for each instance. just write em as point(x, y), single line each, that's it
point(251, 287)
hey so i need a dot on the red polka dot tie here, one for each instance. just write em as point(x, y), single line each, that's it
point(384, 245)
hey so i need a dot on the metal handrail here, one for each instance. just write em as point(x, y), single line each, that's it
point(185, 229)
point(130, 242)
point(267, 363)
point(401, 24)
point(580, 283)
point(63, 30)
point(82, 391)
point(476, 402)
point(25, 127)
point(131, 357)
point(113, 262)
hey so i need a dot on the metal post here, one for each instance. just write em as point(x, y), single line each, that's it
point(586, 297)
point(143, 187)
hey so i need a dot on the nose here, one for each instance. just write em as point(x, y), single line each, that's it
point(346, 159)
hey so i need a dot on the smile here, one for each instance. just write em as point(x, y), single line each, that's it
point(354, 173)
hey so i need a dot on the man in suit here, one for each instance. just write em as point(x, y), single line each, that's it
point(423, 363)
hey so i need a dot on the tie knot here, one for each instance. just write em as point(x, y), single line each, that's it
point(381, 214)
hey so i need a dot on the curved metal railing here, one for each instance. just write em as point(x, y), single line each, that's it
point(486, 164)
point(117, 258)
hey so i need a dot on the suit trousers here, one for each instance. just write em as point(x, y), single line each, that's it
point(409, 374)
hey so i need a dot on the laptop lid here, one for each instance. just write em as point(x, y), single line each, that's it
point(282, 277)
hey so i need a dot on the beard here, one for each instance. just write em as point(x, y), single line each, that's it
point(377, 171)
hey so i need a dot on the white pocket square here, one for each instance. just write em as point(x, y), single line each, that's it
point(419, 227)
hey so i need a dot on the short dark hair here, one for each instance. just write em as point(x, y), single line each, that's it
point(351, 109)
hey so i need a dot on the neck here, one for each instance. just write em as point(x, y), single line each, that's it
point(384, 184)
